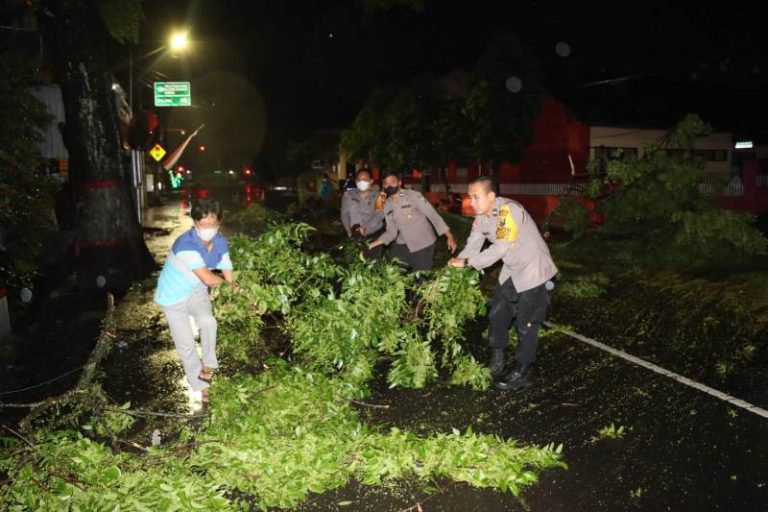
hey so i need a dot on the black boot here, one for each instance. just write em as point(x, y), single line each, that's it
point(496, 365)
point(518, 378)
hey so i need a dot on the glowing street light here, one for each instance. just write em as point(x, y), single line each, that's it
point(179, 41)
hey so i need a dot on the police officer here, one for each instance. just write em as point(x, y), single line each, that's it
point(362, 215)
point(411, 224)
point(521, 294)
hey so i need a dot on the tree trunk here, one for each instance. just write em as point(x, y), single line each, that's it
point(110, 244)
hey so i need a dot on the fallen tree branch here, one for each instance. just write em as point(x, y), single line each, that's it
point(101, 350)
point(133, 444)
point(26, 423)
point(416, 508)
point(365, 404)
point(30, 443)
point(189, 446)
point(67, 478)
point(139, 412)
point(20, 406)
point(440, 490)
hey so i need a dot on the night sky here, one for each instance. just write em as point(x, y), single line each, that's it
point(315, 62)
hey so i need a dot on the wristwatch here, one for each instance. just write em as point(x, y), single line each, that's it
point(466, 262)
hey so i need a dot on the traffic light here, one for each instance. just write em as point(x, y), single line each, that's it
point(143, 131)
point(175, 179)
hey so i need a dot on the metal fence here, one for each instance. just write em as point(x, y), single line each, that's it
point(710, 187)
point(543, 189)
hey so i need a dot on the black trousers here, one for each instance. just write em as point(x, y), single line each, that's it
point(378, 252)
point(423, 259)
point(527, 309)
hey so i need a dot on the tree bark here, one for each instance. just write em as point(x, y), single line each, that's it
point(110, 246)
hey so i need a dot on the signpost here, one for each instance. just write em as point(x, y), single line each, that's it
point(157, 152)
point(173, 94)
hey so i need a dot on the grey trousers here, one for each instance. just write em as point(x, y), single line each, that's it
point(198, 306)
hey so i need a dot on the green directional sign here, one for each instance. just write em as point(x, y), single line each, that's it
point(173, 94)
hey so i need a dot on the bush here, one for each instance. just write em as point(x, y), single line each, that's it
point(655, 213)
point(26, 202)
point(584, 287)
point(571, 216)
point(717, 236)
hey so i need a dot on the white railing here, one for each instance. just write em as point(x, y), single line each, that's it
point(733, 190)
point(543, 189)
point(762, 180)
point(522, 189)
point(459, 188)
point(715, 178)
point(578, 189)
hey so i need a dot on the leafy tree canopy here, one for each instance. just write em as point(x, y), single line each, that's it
point(485, 117)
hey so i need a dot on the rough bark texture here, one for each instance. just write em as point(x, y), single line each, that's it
point(110, 247)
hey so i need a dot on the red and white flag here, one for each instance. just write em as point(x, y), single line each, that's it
point(174, 155)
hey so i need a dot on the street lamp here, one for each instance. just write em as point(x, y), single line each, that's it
point(179, 41)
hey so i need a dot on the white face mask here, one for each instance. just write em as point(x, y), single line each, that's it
point(363, 185)
point(206, 234)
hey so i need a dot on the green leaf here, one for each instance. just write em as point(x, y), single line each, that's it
point(111, 474)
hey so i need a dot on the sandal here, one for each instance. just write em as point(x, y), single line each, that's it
point(207, 379)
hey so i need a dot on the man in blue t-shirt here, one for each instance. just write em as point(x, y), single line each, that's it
point(182, 291)
point(326, 188)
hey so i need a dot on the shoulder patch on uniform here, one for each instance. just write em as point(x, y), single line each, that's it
point(506, 227)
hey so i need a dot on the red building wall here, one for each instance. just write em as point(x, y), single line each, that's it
point(555, 136)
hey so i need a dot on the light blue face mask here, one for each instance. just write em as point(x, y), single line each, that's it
point(363, 185)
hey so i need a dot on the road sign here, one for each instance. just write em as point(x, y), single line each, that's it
point(173, 94)
point(157, 152)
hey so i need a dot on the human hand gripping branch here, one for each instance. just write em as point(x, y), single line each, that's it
point(375, 244)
